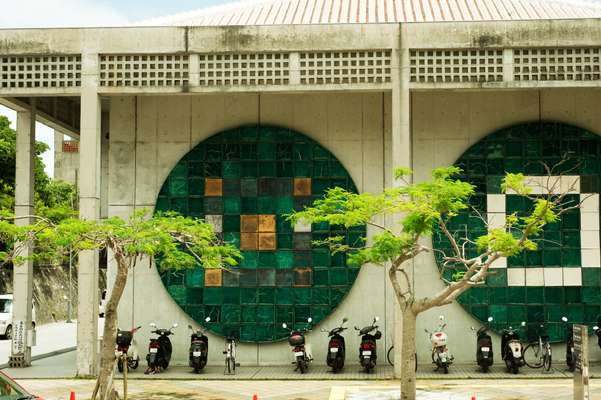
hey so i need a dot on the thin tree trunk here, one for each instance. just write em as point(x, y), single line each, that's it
point(107, 355)
point(408, 355)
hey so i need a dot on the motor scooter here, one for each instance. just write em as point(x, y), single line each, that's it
point(441, 356)
point(368, 353)
point(126, 345)
point(597, 331)
point(159, 349)
point(484, 353)
point(199, 348)
point(301, 350)
point(569, 335)
point(336, 347)
point(512, 350)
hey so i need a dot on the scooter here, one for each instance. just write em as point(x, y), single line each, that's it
point(159, 349)
point(336, 347)
point(126, 345)
point(367, 350)
point(484, 353)
point(302, 351)
point(597, 331)
point(199, 348)
point(440, 352)
point(570, 360)
point(512, 349)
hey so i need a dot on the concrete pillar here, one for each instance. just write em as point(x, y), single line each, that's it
point(401, 150)
point(89, 208)
point(23, 273)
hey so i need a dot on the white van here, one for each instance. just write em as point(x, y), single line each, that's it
point(6, 316)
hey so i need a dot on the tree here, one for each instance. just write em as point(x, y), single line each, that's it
point(420, 210)
point(176, 242)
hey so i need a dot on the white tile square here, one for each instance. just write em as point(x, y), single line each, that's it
point(553, 276)
point(590, 258)
point(216, 221)
point(589, 239)
point(572, 277)
point(536, 184)
point(495, 220)
point(589, 221)
point(495, 203)
point(535, 277)
point(516, 277)
point(499, 263)
point(589, 202)
point(302, 226)
point(570, 184)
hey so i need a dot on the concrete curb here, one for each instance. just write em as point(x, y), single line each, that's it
point(45, 355)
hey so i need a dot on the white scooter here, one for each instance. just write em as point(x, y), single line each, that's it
point(302, 351)
point(440, 352)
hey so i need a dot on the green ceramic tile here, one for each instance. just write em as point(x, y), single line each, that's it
point(195, 278)
point(284, 241)
point(266, 277)
point(303, 169)
point(591, 277)
point(321, 295)
point(267, 168)
point(230, 313)
point(213, 296)
point(213, 205)
point(554, 295)
point(284, 314)
point(231, 223)
point(180, 205)
point(250, 259)
point(248, 187)
point(231, 205)
point(231, 295)
point(267, 259)
point(338, 276)
point(231, 169)
point(284, 168)
point(266, 205)
point(302, 295)
point(284, 259)
point(231, 279)
point(572, 295)
point(285, 295)
point(265, 314)
point(249, 205)
point(249, 296)
point(535, 295)
point(285, 205)
point(266, 295)
point(284, 277)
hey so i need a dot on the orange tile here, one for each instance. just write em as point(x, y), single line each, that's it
point(267, 223)
point(249, 223)
point(302, 277)
point(267, 241)
point(249, 241)
point(213, 187)
point(302, 186)
point(213, 277)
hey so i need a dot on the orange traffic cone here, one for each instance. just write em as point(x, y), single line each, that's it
point(255, 397)
point(473, 397)
point(72, 396)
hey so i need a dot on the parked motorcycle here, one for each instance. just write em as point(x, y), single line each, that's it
point(440, 352)
point(484, 353)
point(597, 331)
point(302, 351)
point(199, 348)
point(336, 347)
point(569, 334)
point(159, 349)
point(367, 350)
point(127, 346)
point(512, 349)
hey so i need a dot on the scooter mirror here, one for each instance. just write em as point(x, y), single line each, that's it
point(207, 319)
point(472, 328)
point(152, 325)
point(284, 326)
point(595, 328)
point(190, 327)
point(175, 325)
point(441, 317)
point(490, 319)
point(309, 319)
point(523, 323)
point(564, 319)
point(377, 319)
point(345, 319)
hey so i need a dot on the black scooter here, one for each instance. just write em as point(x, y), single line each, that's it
point(159, 350)
point(199, 348)
point(302, 352)
point(597, 331)
point(336, 347)
point(484, 353)
point(569, 335)
point(367, 350)
point(512, 349)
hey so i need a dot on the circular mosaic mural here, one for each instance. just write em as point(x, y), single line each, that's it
point(244, 181)
point(561, 278)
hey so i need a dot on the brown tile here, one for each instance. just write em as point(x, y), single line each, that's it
point(213, 187)
point(213, 277)
point(249, 223)
point(302, 277)
point(249, 241)
point(267, 241)
point(267, 223)
point(302, 186)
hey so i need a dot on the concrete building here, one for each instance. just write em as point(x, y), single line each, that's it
point(239, 114)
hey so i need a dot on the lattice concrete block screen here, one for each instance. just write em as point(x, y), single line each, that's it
point(244, 181)
point(563, 276)
point(448, 66)
point(339, 67)
point(59, 71)
point(148, 70)
point(557, 64)
point(244, 69)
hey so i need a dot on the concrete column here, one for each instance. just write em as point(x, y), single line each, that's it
point(23, 273)
point(401, 151)
point(89, 208)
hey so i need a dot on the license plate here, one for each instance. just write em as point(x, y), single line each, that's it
point(196, 354)
point(367, 353)
point(486, 349)
point(298, 353)
point(154, 350)
point(334, 349)
point(443, 359)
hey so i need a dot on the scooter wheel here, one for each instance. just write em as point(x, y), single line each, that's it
point(515, 369)
point(485, 369)
point(134, 364)
point(445, 369)
point(120, 366)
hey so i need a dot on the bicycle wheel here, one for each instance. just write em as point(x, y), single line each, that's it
point(547, 359)
point(533, 355)
point(390, 355)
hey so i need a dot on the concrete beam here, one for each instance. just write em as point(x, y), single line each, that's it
point(89, 203)
point(23, 273)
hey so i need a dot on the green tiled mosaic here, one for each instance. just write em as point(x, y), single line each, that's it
point(243, 181)
point(561, 278)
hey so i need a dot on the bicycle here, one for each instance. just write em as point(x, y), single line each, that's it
point(390, 357)
point(537, 354)
point(230, 355)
